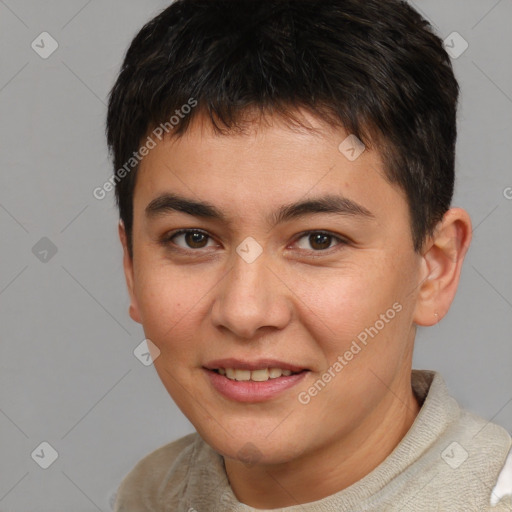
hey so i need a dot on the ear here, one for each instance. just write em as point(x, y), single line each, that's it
point(128, 274)
point(441, 266)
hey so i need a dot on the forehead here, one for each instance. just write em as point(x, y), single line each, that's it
point(268, 165)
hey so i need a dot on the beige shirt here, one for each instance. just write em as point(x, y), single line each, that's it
point(450, 460)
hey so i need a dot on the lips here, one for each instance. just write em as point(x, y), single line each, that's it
point(255, 380)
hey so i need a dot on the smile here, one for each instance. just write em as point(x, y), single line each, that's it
point(251, 386)
point(254, 375)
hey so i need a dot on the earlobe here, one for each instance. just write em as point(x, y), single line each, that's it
point(129, 274)
point(441, 267)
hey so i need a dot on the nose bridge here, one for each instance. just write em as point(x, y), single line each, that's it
point(250, 296)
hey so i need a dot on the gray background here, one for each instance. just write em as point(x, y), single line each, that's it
point(68, 374)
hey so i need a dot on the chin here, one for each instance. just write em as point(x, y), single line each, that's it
point(252, 447)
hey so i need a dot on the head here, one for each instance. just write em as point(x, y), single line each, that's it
point(226, 114)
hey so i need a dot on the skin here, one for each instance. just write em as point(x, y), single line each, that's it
point(287, 304)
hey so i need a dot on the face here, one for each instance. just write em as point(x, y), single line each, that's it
point(325, 290)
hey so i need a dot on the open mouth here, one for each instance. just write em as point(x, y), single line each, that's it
point(261, 375)
point(255, 381)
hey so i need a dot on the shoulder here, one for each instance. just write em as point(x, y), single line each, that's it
point(488, 453)
point(474, 455)
point(442, 413)
point(482, 438)
point(168, 465)
point(466, 453)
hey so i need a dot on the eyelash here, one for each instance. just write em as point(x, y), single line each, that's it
point(167, 241)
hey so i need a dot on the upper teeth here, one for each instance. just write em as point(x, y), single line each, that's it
point(256, 375)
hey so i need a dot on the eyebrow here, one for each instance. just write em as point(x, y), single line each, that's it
point(168, 203)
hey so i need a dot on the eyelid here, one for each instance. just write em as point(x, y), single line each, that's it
point(166, 240)
point(341, 241)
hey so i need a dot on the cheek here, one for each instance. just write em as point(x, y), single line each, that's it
point(337, 306)
point(360, 315)
point(169, 300)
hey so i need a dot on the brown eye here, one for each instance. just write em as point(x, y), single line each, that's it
point(319, 241)
point(193, 239)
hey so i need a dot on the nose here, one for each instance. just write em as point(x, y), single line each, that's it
point(251, 297)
